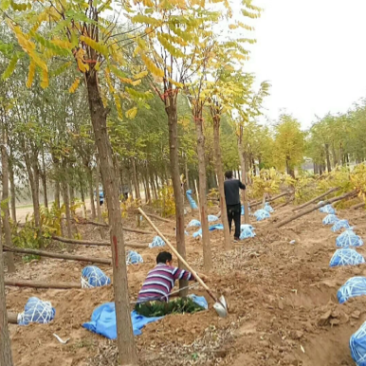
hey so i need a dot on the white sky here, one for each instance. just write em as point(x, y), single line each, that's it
point(313, 53)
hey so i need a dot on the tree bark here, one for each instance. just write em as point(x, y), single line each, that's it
point(327, 156)
point(243, 175)
point(171, 110)
point(42, 284)
point(311, 209)
point(6, 358)
point(99, 208)
point(135, 179)
point(91, 192)
point(5, 203)
point(82, 192)
point(12, 319)
point(65, 194)
point(12, 188)
point(202, 180)
point(43, 253)
point(44, 180)
point(359, 205)
point(220, 177)
point(125, 337)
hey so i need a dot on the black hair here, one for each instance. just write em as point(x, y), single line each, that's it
point(229, 174)
point(163, 257)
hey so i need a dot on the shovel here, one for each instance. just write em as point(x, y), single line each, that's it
point(220, 304)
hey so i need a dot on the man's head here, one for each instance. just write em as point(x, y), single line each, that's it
point(165, 258)
point(229, 174)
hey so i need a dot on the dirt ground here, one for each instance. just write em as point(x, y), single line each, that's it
point(282, 302)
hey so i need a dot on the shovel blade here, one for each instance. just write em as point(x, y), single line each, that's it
point(221, 307)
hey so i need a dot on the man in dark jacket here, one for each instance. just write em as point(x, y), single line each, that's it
point(232, 196)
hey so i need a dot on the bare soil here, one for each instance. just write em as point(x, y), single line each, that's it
point(282, 301)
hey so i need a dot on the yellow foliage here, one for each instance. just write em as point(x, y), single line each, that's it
point(131, 113)
point(74, 86)
point(79, 59)
point(140, 75)
point(44, 79)
point(151, 66)
point(31, 73)
point(101, 48)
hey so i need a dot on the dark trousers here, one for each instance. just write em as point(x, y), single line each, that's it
point(234, 213)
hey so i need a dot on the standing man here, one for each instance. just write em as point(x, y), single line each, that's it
point(233, 205)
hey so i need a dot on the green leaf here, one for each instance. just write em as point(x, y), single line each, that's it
point(11, 67)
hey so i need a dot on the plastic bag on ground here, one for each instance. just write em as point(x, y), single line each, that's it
point(157, 242)
point(191, 201)
point(340, 224)
point(268, 207)
point(246, 231)
point(262, 215)
point(212, 218)
point(36, 311)
point(346, 257)
point(330, 219)
point(211, 228)
point(133, 258)
point(93, 276)
point(355, 286)
point(328, 209)
point(357, 345)
point(194, 223)
point(349, 239)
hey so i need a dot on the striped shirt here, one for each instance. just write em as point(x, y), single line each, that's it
point(160, 282)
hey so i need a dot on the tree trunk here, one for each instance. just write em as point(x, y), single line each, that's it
point(148, 191)
point(171, 110)
point(207, 255)
point(135, 180)
point(315, 199)
point(187, 174)
point(6, 358)
point(5, 203)
point(125, 337)
point(65, 196)
point(41, 284)
point(220, 177)
point(152, 180)
point(243, 175)
point(12, 190)
point(99, 209)
point(57, 195)
point(82, 192)
point(44, 180)
point(327, 156)
point(91, 192)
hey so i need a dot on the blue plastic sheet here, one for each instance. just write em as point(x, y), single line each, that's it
point(191, 201)
point(357, 345)
point(133, 257)
point(36, 311)
point(93, 276)
point(346, 257)
point(328, 209)
point(268, 207)
point(349, 239)
point(157, 242)
point(211, 228)
point(243, 209)
point(262, 215)
point(194, 223)
point(212, 218)
point(355, 286)
point(340, 224)
point(330, 219)
point(246, 231)
point(103, 319)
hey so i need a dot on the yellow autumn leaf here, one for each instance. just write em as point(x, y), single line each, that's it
point(131, 113)
point(44, 79)
point(74, 86)
point(31, 73)
point(140, 75)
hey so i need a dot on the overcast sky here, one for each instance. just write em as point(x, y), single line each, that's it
point(314, 54)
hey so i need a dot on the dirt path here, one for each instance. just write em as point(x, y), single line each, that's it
point(281, 296)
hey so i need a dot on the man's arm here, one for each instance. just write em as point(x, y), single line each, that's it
point(241, 185)
point(182, 274)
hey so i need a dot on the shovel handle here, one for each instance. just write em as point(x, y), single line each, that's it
point(195, 275)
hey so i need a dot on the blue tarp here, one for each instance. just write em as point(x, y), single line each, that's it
point(191, 201)
point(340, 224)
point(194, 223)
point(246, 231)
point(355, 286)
point(349, 239)
point(357, 345)
point(243, 210)
point(268, 207)
point(328, 209)
point(346, 257)
point(103, 320)
point(212, 218)
point(330, 219)
point(262, 215)
point(157, 242)
point(133, 257)
point(211, 228)
point(93, 276)
point(37, 311)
